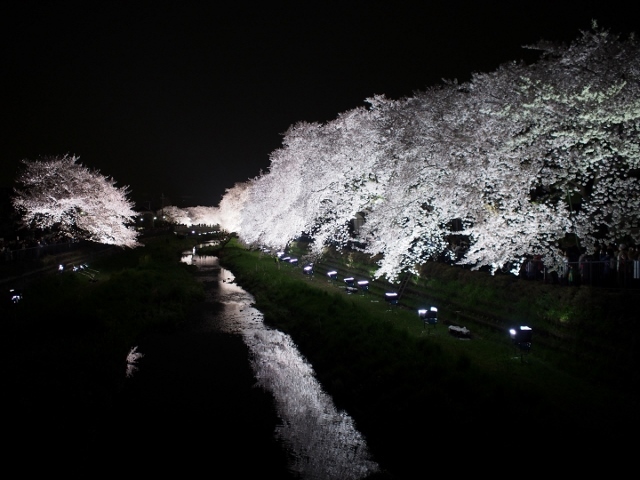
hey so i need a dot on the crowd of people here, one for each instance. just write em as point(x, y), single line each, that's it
point(30, 248)
point(608, 267)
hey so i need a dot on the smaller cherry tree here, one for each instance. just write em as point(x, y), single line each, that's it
point(63, 196)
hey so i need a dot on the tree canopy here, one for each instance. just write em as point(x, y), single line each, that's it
point(60, 195)
point(512, 163)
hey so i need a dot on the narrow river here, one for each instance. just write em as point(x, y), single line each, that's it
point(237, 393)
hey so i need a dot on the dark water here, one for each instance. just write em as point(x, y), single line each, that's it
point(229, 394)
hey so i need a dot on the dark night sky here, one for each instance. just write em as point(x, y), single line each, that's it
point(184, 99)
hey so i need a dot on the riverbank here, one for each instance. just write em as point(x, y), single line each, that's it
point(420, 394)
point(65, 344)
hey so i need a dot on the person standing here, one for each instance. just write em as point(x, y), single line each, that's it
point(584, 267)
point(621, 265)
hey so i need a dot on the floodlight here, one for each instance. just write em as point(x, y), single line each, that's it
point(521, 337)
point(429, 315)
point(432, 316)
point(391, 297)
point(521, 334)
point(308, 269)
point(349, 281)
point(333, 275)
point(363, 284)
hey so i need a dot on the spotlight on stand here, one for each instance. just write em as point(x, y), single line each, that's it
point(429, 316)
point(308, 269)
point(333, 275)
point(391, 298)
point(521, 338)
point(363, 285)
point(350, 288)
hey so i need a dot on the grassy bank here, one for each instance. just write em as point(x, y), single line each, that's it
point(419, 393)
point(64, 345)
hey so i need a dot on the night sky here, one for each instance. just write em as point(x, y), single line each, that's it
point(182, 100)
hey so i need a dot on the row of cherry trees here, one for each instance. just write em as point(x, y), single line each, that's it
point(516, 159)
point(520, 157)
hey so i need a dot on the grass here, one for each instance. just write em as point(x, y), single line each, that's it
point(65, 344)
point(401, 381)
point(418, 394)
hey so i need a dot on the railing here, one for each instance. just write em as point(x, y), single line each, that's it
point(595, 273)
point(36, 252)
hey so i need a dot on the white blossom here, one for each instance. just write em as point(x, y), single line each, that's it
point(513, 163)
point(61, 195)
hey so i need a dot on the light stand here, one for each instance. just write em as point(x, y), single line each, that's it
point(521, 338)
point(429, 316)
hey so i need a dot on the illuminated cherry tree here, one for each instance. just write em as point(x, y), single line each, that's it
point(63, 196)
point(231, 207)
point(271, 215)
point(344, 176)
point(323, 177)
point(199, 215)
point(578, 122)
point(512, 163)
point(435, 154)
point(179, 216)
point(203, 215)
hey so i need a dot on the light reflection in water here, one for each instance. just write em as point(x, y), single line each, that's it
point(324, 441)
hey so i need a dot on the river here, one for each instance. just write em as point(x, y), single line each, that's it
point(236, 395)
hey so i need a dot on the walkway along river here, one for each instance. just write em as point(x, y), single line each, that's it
point(235, 395)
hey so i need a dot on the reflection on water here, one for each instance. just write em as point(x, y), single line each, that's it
point(202, 261)
point(324, 441)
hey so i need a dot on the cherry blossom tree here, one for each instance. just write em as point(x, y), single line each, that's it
point(322, 176)
point(513, 162)
point(231, 207)
point(502, 223)
point(198, 215)
point(507, 212)
point(62, 195)
point(176, 215)
point(339, 180)
point(227, 215)
point(579, 121)
point(271, 215)
point(204, 215)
